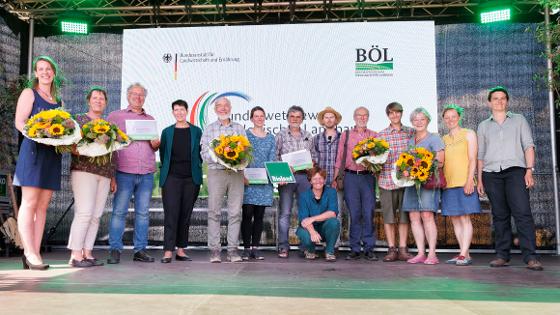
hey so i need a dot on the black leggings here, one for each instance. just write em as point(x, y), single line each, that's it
point(252, 225)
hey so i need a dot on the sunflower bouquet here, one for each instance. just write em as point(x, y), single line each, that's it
point(100, 139)
point(371, 153)
point(234, 152)
point(414, 167)
point(52, 127)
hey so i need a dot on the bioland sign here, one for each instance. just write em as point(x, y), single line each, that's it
point(342, 65)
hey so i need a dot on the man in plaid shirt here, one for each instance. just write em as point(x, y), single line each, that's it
point(325, 147)
point(391, 196)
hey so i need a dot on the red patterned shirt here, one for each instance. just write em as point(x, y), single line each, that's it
point(398, 143)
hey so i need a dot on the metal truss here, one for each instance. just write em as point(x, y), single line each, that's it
point(154, 13)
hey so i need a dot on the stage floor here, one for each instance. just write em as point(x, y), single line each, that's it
point(276, 286)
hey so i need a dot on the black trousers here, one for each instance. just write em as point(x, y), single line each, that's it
point(178, 196)
point(509, 197)
point(252, 225)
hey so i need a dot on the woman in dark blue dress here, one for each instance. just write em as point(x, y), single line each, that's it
point(38, 169)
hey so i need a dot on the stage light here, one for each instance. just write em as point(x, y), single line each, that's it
point(495, 15)
point(74, 27)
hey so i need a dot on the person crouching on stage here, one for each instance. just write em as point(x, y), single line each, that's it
point(317, 211)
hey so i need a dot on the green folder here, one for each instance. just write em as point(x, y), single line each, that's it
point(279, 172)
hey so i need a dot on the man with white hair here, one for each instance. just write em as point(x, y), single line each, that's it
point(221, 182)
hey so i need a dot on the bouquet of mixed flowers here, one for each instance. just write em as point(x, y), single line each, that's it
point(52, 127)
point(371, 153)
point(233, 152)
point(414, 167)
point(100, 139)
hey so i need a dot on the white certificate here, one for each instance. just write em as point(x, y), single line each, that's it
point(141, 129)
point(298, 160)
point(256, 175)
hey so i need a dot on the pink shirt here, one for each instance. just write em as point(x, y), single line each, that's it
point(138, 157)
point(353, 139)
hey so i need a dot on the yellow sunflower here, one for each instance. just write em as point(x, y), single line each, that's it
point(428, 155)
point(32, 132)
point(425, 163)
point(56, 130)
point(101, 128)
point(414, 171)
point(219, 150)
point(409, 161)
point(232, 155)
point(422, 175)
point(122, 135)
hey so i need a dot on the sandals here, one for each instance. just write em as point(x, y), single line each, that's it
point(431, 261)
point(310, 255)
point(417, 260)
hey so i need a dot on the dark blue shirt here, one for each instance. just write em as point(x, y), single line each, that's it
point(309, 207)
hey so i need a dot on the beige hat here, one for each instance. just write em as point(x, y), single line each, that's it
point(329, 109)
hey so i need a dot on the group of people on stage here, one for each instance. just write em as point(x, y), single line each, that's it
point(497, 160)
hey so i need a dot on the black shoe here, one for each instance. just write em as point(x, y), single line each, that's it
point(80, 263)
point(246, 254)
point(370, 255)
point(94, 262)
point(353, 256)
point(114, 257)
point(165, 260)
point(183, 258)
point(142, 256)
point(28, 265)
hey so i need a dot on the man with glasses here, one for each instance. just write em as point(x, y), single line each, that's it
point(291, 139)
point(136, 165)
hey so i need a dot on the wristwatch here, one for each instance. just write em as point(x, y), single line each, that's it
point(531, 168)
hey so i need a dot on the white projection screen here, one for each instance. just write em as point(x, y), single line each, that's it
point(343, 65)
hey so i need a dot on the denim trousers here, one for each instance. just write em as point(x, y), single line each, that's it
point(139, 185)
point(329, 231)
point(359, 195)
point(287, 193)
point(509, 197)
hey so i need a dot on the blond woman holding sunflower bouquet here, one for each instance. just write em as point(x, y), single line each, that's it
point(419, 202)
point(38, 169)
point(90, 184)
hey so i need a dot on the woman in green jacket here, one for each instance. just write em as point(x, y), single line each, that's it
point(180, 179)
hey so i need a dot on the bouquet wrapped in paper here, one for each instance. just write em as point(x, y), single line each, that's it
point(371, 153)
point(413, 167)
point(100, 139)
point(234, 152)
point(52, 127)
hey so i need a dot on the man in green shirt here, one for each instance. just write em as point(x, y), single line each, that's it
point(506, 160)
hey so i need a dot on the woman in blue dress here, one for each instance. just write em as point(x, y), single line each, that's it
point(423, 205)
point(256, 197)
point(38, 169)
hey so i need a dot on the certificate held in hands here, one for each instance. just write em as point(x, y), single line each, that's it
point(298, 160)
point(141, 129)
point(256, 176)
point(279, 172)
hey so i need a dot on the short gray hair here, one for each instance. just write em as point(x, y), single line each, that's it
point(361, 107)
point(420, 110)
point(296, 108)
point(222, 98)
point(137, 85)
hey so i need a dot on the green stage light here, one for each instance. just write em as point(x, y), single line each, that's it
point(496, 15)
point(74, 27)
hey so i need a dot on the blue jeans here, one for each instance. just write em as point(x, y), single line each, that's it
point(328, 229)
point(359, 194)
point(286, 200)
point(141, 186)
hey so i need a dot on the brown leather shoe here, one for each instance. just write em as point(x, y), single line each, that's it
point(404, 255)
point(392, 255)
point(534, 265)
point(499, 262)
